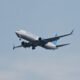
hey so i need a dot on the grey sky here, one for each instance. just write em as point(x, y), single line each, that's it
point(44, 18)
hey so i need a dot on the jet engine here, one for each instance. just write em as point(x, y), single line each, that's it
point(40, 39)
point(25, 44)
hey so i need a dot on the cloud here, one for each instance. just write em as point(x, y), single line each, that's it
point(8, 75)
point(50, 71)
point(44, 69)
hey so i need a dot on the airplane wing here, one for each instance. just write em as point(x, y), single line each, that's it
point(16, 46)
point(57, 38)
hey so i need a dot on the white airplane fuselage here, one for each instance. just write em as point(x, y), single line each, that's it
point(30, 37)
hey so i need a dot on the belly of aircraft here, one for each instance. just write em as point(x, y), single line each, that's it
point(50, 45)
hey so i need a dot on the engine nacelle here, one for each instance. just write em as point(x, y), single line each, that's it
point(40, 39)
point(25, 44)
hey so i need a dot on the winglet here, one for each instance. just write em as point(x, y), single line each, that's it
point(13, 47)
point(72, 32)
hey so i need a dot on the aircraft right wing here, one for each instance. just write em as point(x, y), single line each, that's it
point(57, 38)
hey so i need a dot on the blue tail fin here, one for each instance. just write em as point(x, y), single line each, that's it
point(55, 42)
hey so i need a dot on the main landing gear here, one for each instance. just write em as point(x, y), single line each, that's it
point(33, 48)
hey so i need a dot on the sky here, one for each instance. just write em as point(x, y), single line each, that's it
point(44, 18)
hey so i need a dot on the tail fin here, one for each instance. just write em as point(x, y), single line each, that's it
point(55, 42)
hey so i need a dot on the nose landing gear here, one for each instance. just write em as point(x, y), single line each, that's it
point(20, 39)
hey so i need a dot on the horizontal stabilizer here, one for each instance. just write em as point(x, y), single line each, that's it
point(62, 45)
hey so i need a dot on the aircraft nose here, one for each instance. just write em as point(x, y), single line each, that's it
point(17, 33)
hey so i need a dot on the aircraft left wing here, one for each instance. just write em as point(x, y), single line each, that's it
point(16, 46)
point(57, 38)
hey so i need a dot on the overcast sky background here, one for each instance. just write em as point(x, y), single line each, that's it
point(44, 18)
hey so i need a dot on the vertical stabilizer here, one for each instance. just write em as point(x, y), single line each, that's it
point(55, 42)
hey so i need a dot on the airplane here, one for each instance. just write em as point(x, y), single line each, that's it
point(34, 41)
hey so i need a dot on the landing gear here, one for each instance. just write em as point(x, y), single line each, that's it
point(20, 39)
point(33, 48)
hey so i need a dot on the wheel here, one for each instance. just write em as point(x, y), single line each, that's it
point(33, 48)
point(20, 39)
